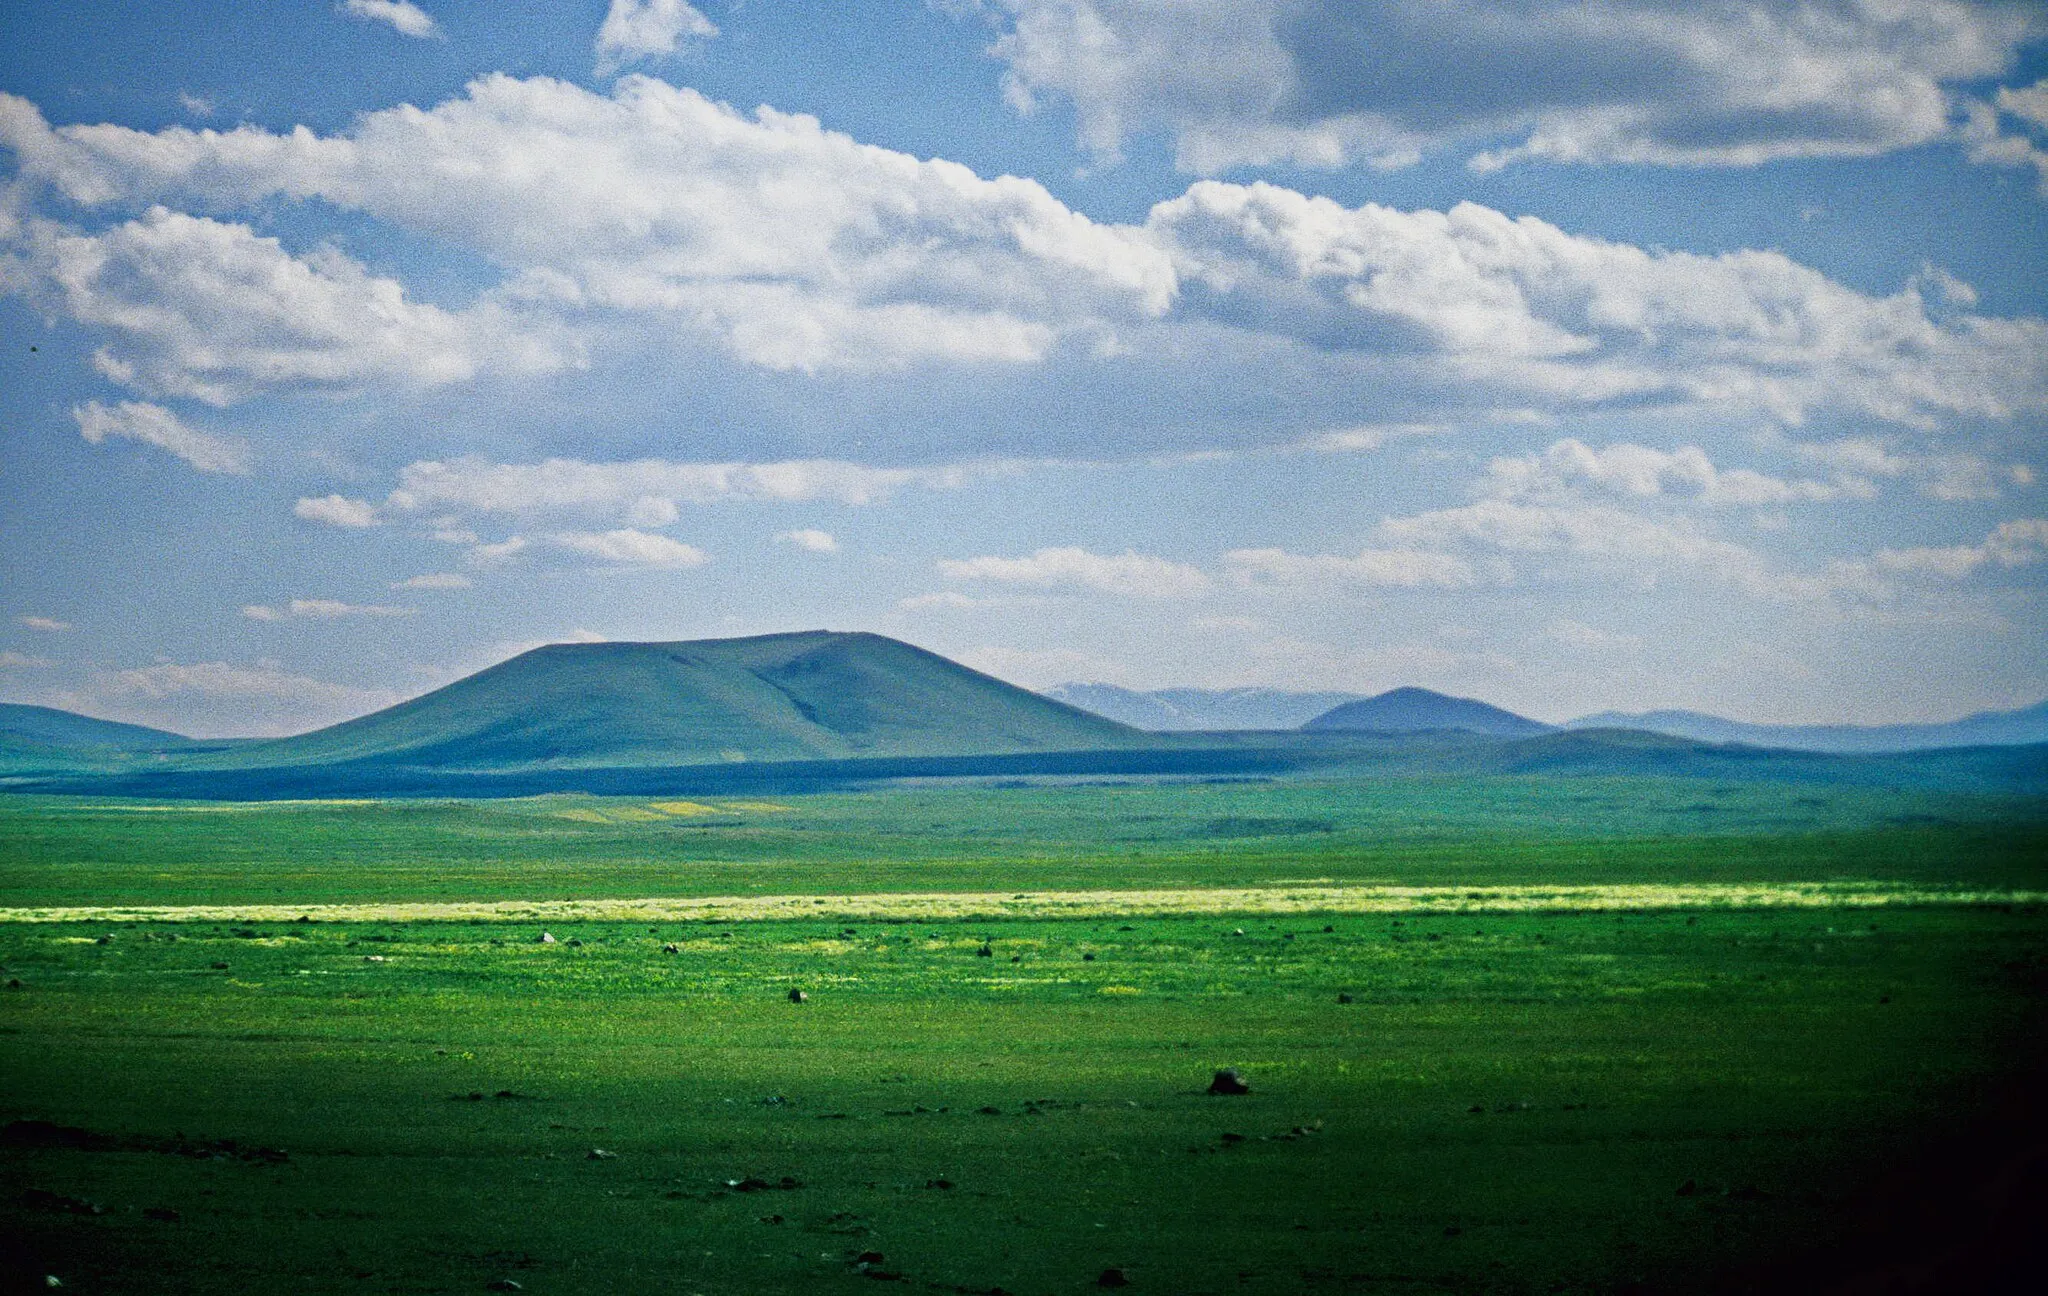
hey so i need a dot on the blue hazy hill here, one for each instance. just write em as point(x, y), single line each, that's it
point(1420, 710)
point(2020, 727)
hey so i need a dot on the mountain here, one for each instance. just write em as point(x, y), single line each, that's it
point(1182, 709)
point(809, 696)
point(35, 739)
point(2021, 727)
point(1414, 710)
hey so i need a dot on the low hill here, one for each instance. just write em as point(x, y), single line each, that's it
point(1418, 710)
point(1178, 710)
point(2020, 727)
point(36, 739)
point(811, 696)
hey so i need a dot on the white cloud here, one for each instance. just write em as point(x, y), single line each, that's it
point(1369, 436)
point(1642, 472)
point(792, 246)
point(197, 105)
point(1990, 144)
point(646, 491)
point(322, 610)
point(1950, 475)
point(1615, 543)
point(629, 548)
point(215, 312)
point(48, 625)
point(157, 426)
point(336, 510)
point(810, 539)
point(405, 17)
point(1329, 82)
point(1129, 573)
point(647, 29)
point(1399, 568)
point(21, 661)
point(220, 698)
point(653, 221)
point(435, 581)
point(1519, 314)
point(2019, 543)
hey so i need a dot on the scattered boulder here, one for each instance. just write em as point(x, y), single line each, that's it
point(545, 938)
point(1344, 999)
point(1113, 1277)
point(986, 951)
point(798, 996)
point(1087, 958)
point(1229, 1081)
point(671, 948)
point(596, 1154)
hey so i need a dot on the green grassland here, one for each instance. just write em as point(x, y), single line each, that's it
point(1590, 1096)
point(1083, 835)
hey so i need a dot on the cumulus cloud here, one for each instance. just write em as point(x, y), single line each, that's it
point(321, 610)
point(336, 510)
point(630, 548)
point(647, 29)
point(404, 17)
point(793, 246)
point(1130, 573)
point(1990, 143)
point(809, 539)
point(215, 312)
point(1396, 568)
point(157, 426)
point(48, 625)
point(2019, 543)
point(654, 216)
point(1537, 317)
point(1330, 82)
point(435, 581)
point(1642, 472)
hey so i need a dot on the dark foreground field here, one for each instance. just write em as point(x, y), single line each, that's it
point(1594, 1098)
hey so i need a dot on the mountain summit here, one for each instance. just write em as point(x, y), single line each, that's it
point(815, 695)
point(1414, 710)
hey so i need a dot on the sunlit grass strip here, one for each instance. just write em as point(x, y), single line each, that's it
point(938, 906)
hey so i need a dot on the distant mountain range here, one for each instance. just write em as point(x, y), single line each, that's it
point(1177, 710)
point(814, 710)
point(1413, 710)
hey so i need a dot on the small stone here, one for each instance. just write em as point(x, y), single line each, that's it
point(595, 1154)
point(798, 996)
point(986, 951)
point(218, 967)
point(545, 938)
point(1344, 998)
point(671, 948)
point(1087, 958)
point(1113, 1278)
point(1229, 1081)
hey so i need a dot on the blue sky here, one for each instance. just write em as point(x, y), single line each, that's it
point(1571, 356)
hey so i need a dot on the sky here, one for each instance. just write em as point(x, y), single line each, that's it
point(1571, 356)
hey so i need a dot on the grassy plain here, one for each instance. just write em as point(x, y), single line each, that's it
point(1591, 1098)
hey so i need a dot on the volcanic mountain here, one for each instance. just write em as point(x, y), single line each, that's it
point(815, 695)
point(1416, 710)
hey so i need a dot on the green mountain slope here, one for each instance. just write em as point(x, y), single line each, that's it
point(816, 695)
point(35, 739)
